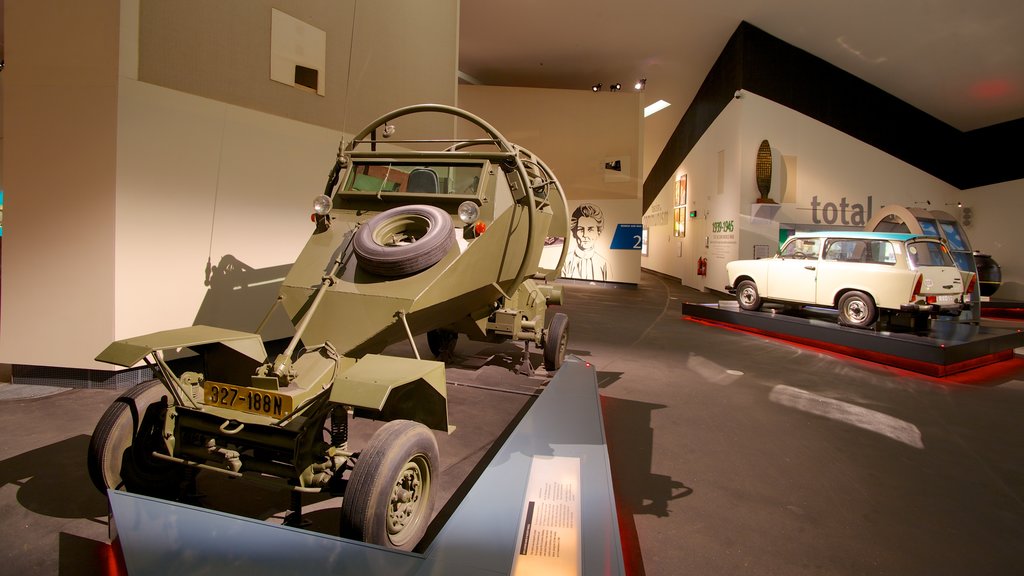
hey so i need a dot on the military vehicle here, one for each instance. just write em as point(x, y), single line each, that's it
point(442, 237)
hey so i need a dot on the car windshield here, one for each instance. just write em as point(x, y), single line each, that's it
point(414, 177)
point(801, 248)
point(923, 253)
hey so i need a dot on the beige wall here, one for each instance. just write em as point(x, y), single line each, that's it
point(995, 230)
point(574, 132)
point(403, 53)
point(60, 107)
point(203, 184)
point(125, 190)
point(829, 165)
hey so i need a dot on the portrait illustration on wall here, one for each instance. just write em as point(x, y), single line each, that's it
point(584, 262)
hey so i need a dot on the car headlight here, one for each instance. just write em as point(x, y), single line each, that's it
point(321, 205)
point(468, 212)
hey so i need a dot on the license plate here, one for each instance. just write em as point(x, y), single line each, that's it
point(246, 399)
point(945, 298)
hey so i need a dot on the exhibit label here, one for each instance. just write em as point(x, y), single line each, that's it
point(549, 530)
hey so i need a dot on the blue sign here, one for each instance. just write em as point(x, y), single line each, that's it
point(628, 237)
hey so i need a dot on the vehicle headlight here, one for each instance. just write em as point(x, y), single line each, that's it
point(321, 205)
point(468, 212)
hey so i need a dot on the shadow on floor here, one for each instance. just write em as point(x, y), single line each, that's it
point(630, 449)
point(54, 481)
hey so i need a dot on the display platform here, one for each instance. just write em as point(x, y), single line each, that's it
point(946, 347)
point(543, 505)
point(1002, 309)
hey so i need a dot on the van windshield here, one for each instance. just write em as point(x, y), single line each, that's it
point(928, 254)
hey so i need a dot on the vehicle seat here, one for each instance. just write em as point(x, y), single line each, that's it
point(422, 180)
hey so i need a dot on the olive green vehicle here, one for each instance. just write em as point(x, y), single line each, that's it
point(407, 241)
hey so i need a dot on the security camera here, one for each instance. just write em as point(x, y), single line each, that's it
point(738, 94)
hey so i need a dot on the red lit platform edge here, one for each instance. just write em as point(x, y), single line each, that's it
point(948, 347)
point(1002, 309)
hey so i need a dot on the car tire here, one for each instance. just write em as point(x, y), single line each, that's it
point(121, 447)
point(747, 295)
point(390, 494)
point(556, 340)
point(857, 309)
point(429, 229)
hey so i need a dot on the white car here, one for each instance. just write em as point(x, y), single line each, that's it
point(858, 273)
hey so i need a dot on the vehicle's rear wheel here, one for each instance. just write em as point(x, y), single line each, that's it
point(121, 449)
point(857, 309)
point(556, 340)
point(442, 343)
point(390, 495)
point(404, 240)
point(747, 295)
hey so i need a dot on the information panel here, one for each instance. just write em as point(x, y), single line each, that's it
point(549, 530)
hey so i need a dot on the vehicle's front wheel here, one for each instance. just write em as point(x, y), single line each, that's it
point(121, 449)
point(747, 295)
point(442, 343)
point(556, 340)
point(390, 495)
point(857, 309)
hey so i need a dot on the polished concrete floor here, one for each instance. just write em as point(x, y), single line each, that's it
point(731, 453)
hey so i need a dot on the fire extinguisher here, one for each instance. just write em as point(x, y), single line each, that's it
point(702, 266)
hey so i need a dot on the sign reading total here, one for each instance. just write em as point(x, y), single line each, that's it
point(844, 213)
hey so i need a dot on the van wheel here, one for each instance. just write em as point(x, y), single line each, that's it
point(857, 309)
point(747, 295)
point(390, 495)
point(121, 449)
point(403, 240)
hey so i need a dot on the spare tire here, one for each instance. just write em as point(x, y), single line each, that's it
point(404, 240)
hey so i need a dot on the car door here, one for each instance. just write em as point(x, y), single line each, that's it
point(793, 275)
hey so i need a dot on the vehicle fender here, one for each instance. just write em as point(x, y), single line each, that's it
point(391, 388)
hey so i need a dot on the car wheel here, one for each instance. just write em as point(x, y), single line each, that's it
point(857, 309)
point(390, 495)
point(442, 343)
point(121, 449)
point(403, 240)
point(747, 295)
point(556, 340)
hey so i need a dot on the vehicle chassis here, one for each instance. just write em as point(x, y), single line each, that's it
point(284, 422)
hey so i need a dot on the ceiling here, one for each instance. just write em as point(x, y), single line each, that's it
point(962, 62)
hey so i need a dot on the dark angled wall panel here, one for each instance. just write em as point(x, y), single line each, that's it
point(756, 61)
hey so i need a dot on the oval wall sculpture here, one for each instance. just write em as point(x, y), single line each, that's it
point(763, 169)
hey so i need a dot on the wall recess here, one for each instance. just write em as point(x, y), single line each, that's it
point(298, 53)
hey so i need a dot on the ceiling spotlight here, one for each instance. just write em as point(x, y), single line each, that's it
point(640, 84)
point(596, 87)
point(615, 87)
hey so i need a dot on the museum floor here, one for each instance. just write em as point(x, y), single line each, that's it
point(731, 453)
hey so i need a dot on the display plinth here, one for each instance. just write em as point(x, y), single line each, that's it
point(946, 347)
point(480, 538)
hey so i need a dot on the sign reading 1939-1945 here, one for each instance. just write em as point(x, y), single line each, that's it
point(721, 226)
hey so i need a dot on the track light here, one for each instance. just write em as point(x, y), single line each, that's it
point(596, 87)
point(640, 84)
point(615, 87)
